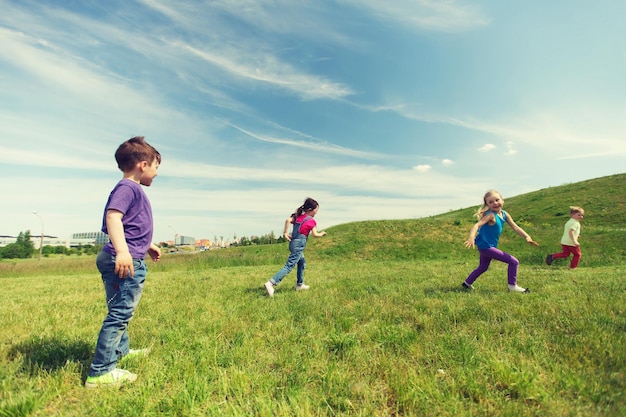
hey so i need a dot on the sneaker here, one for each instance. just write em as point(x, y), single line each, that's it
point(549, 259)
point(302, 287)
point(269, 287)
point(115, 378)
point(515, 288)
point(466, 286)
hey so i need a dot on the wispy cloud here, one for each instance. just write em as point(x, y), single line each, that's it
point(487, 147)
point(546, 132)
point(269, 70)
point(448, 16)
point(315, 146)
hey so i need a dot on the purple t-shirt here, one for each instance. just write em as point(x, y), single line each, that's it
point(129, 198)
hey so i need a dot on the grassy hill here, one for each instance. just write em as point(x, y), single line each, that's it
point(541, 213)
point(385, 329)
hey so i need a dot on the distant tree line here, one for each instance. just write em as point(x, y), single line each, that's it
point(268, 239)
point(24, 248)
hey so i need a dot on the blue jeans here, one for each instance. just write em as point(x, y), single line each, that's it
point(486, 255)
point(296, 257)
point(122, 298)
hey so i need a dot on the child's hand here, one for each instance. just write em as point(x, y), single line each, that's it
point(124, 265)
point(155, 253)
point(287, 236)
point(531, 241)
point(469, 243)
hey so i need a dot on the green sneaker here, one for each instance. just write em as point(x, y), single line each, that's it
point(115, 378)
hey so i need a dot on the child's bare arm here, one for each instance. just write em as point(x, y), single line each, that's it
point(288, 222)
point(520, 231)
point(469, 243)
point(123, 259)
point(315, 233)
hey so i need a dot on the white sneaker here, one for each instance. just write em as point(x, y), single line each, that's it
point(302, 287)
point(516, 288)
point(269, 287)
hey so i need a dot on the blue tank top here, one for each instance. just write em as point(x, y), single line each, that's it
point(489, 235)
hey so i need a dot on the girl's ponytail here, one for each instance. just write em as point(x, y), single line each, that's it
point(309, 204)
point(297, 213)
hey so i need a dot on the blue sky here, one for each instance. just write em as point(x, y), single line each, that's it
point(377, 109)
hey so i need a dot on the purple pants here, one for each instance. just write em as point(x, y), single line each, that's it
point(486, 255)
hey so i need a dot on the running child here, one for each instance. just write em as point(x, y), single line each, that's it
point(569, 241)
point(491, 220)
point(303, 224)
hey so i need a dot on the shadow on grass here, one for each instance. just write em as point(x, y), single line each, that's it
point(51, 353)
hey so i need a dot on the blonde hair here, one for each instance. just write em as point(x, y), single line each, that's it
point(484, 208)
point(576, 209)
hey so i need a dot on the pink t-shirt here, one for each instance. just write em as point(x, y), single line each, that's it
point(306, 228)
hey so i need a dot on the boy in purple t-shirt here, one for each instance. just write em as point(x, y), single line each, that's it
point(128, 222)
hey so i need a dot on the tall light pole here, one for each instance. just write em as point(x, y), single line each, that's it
point(41, 240)
point(175, 234)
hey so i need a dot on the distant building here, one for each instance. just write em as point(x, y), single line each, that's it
point(88, 238)
point(202, 244)
point(185, 240)
point(77, 239)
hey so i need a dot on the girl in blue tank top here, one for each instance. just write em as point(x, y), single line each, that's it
point(491, 220)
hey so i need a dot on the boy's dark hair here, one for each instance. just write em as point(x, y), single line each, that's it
point(133, 151)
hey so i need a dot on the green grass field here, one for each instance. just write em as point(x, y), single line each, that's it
point(384, 330)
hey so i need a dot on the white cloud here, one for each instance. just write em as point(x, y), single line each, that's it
point(509, 149)
point(447, 162)
point(422, 168)
point(487, 147)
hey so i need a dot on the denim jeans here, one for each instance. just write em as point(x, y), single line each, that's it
point(486, 255)
point(122, 298)
point(296, 257)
